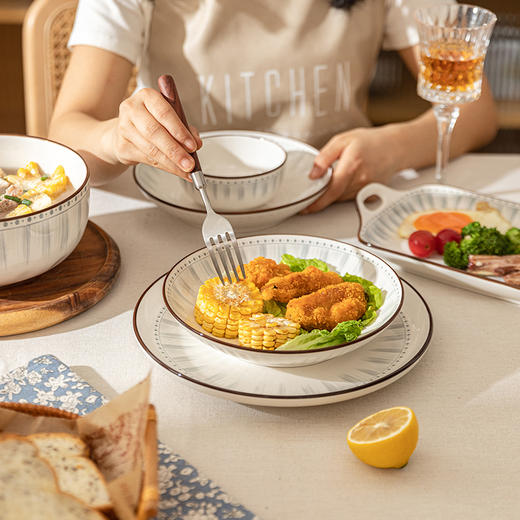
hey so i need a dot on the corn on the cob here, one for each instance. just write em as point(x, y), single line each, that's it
point(266, 332)
point(20, 210)
point(34, 169)
point(219, 307)
point(52, 186)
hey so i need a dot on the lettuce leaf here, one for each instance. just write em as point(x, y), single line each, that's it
point(343, 332)
point(299, 264)
point(374, 294)
point(275, 308)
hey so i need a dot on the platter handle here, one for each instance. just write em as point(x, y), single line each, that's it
point(385, 194)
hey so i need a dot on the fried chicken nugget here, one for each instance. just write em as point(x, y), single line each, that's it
point(327, 307)
point(285, 288)
point(261, 270)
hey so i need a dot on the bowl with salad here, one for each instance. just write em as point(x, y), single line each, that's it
point(304, 300)
point(44, 199)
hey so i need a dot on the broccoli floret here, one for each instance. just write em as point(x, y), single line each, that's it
point(481, 240)
point(513, 235)
point(473, 228)
point(454, 256)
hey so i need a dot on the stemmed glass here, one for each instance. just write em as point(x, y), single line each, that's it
point(453, 44)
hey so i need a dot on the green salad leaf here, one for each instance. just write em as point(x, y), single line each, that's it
point(299, 264)
point(343, 332)
point(374, 297)
point(277, 309)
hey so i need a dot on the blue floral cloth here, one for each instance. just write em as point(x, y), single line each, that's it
point(184, 493)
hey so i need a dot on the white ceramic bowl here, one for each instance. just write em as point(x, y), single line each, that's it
point(295, 193)
point(182, 283)
point(242, 172)
point(32, 244)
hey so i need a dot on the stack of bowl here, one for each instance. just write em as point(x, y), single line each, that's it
point(255, 179)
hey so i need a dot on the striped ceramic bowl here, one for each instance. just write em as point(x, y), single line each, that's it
point(182, 283)
point(243, 172)
point(32, 244)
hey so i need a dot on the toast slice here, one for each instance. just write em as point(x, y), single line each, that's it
point(59, 445)
point(17, 502)
point(81, 478)
point(20, 465)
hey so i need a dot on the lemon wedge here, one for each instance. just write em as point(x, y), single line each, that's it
point(385, 439)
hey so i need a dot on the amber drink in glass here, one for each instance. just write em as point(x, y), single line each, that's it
point(453, 44)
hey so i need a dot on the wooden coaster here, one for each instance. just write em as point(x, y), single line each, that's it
point(68, 289)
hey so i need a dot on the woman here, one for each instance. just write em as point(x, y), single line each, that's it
point(295, 67)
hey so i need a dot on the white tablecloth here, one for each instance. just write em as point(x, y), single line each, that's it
point(295, 463)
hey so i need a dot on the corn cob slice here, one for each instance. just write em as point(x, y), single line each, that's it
point(266, 332)
point(34, 169)
point(52, 186)
point(219, 308)
point(20, 210)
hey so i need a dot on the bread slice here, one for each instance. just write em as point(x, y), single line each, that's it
point(81, 478)
point(18, 502)
point(59, 444)
point(20, 465)
point(29, 484)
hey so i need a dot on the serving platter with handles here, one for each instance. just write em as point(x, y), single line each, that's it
point(380, 221)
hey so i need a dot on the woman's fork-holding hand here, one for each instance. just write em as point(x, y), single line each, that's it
point(149, 131)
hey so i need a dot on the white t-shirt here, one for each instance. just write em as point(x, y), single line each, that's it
point(295, 67)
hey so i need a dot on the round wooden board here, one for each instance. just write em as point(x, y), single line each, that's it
point(73, 286)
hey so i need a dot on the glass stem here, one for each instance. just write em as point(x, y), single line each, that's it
point(446, 116)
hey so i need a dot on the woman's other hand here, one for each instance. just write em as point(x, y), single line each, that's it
point(363, 155)
point(149, 131)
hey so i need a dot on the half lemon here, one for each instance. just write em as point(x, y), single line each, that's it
point(385, 439)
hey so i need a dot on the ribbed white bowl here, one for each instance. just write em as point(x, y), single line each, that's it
point(243, 172)
point(294, 193)
point(182, 283)
point(32, 244)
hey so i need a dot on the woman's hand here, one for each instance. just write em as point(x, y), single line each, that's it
point(148, 130)
point(364, 155)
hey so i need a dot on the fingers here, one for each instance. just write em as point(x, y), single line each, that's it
point(142, 150)
point(328, 154)
point(195, 133)
point(136, 121)
point(158, 136)
point(162, 112)
point(341, 180)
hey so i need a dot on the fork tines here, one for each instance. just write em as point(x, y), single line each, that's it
point(224, 246)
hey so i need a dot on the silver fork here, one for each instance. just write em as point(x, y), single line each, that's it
point(218, 235)
point(217, 231)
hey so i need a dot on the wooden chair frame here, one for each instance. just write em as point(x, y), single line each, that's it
point(46, 30)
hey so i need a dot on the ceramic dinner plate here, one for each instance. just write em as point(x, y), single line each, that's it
point(378, 230)
point(371, 367)
point(296, 190)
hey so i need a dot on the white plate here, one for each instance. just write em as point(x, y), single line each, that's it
point(389, 357)
point(378, 229)
point(187, 275)
point(295, 193)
